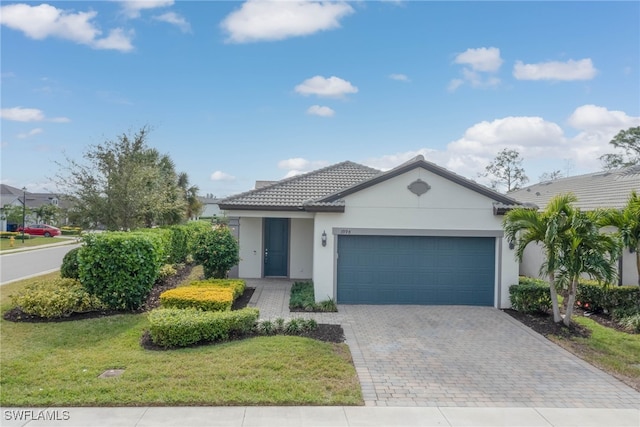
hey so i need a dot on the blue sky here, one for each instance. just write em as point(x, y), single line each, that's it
point(242, 91)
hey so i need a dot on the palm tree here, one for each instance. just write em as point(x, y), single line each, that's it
point(627, 221)
point(584, 249)
point(523, 226)
point(190, 195)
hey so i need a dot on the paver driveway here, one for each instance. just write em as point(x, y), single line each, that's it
point(457, 356)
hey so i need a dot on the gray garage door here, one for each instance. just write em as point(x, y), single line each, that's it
point(416, 270)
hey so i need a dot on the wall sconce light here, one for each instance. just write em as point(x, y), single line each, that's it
point(324, 238)
point(511, 245)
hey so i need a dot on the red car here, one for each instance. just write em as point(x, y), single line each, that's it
point(41, 230)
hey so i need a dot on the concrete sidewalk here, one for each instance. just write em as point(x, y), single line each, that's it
point(338, 416)
point(56, 241)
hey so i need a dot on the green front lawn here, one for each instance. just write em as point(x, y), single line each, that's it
point(615, 352)
point(49, 364)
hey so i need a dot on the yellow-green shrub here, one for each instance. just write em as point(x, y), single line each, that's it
point(207, 298)
point(171, 327)
point(56, 298)
point(236, 285)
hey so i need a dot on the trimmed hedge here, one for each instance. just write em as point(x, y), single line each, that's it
point(209, 298)
point(120, 268)
point(217, 250)
point(171, 327)
point(597, 297)
point(530, 295)
point(238, 286)
point(69, 268)
point(56, 298)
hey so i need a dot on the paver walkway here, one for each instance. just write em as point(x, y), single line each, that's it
point(456, 356)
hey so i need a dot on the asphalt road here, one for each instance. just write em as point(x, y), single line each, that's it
point(30, 263)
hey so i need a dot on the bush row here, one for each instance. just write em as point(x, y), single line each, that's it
point(237, 286)
point(209, 298)
point(530, 295)
point(56, 298)
point(595, 297)
point(209, 295)
point(171, 327)
point(120, 268)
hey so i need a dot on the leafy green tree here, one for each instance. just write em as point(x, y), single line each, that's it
point(123, 184)
point(627, 221)
point(629, 141)
point(14, 214)
point(505, 171)
point(550, 176)
point(524, 226)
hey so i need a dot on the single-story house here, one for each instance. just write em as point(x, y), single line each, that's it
point(210, 207)
point(599, 190)
point(416, 234)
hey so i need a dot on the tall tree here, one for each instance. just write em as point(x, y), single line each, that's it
point(524, 226)
point(190, 195)
point(123, 184)
point(627, 221)
point(550, 176)
point(629, 141)
point(585, 250)
point(572, 243)
point(506, 172)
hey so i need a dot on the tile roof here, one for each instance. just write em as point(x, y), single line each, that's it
point(302, 190)
point(324, 189)
point(604, 189)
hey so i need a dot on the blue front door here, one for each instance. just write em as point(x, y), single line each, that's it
point(276, 247)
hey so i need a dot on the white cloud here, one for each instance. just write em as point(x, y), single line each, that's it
point(133, 8)
point(319, 110)
point(542, 144)
point(481, 59)
point(554, 70)
point(42, 21)
point(31, 133)
point(19, 114)
point(298, 165)
point(264, 20)
point(174, 19)
point(399, 77)
point(480, 63)
point(333, 87)
point(222, 176)
point(455, 84)
point(593, 117)
point(118, 39)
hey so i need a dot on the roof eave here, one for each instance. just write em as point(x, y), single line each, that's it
point(231, 207)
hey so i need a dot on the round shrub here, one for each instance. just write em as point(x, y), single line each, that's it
point(217, 251)
point(120, 268)
point(56, 298)
point(69, 267)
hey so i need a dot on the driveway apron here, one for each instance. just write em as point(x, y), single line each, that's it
point(408, 355)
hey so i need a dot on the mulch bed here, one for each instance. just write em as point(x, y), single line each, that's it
point(324, 332)
point(543, 323)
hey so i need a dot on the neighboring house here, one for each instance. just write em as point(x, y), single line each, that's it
point(417, 234)
point(210, 207)
point(12, 196)
point(604, 189)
